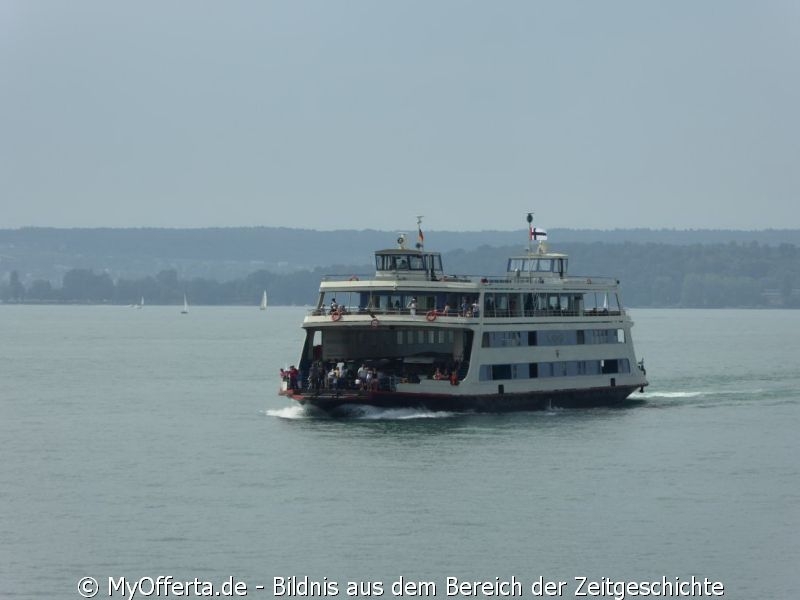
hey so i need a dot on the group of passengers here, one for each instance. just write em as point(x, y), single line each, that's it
point(468, 308)
point(292, 378)
point(337, 376)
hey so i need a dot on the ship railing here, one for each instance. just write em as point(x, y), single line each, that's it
point(344, 311)
point(346, 386)
point(542, 279)
point(489, 313)
point(499, 313)
point(347, 276)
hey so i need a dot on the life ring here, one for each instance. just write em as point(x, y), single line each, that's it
point(335, 316)
point(373, 323)
point(453, 378)
point(354, 278)
point(431, 316)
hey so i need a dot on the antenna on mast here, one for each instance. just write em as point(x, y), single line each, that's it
point(529, 219)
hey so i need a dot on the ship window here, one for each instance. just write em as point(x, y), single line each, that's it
point(520, 371)
point(516, 264)
point(557, 337)
point(434, 262)
point(533, 369)
point(580, 339)
point(441, 336)
point(513, 305)
point(420, 337)
point(503, 339)
point(399, 337)
point(545, 369)
point(571, 368)
point(609, 365)
point(620, 336)
point(416, 263)
point(532, 338)
point(501, 372)
point(615, 305)
point(545, 264)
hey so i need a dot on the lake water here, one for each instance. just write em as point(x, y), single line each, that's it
point(139, 443)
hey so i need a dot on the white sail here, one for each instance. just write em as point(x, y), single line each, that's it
point(264, 301)
point(185, 306)
point(141, 304)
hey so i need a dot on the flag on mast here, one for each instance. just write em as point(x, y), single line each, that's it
point(537, 234)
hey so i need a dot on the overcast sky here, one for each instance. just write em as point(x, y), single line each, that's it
point(364, 114)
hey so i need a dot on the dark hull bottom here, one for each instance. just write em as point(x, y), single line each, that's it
point(607, 396)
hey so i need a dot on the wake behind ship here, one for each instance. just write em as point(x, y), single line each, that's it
point(412, 336)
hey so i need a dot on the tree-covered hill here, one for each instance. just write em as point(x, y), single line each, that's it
point(732, 274)
point(226, 253)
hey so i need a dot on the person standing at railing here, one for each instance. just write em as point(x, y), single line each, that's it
point(412, 306)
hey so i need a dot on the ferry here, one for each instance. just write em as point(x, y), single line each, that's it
point(411, 335)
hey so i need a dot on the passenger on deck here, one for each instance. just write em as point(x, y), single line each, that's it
point(412, 306)
point(334, 305)
point(333, 378)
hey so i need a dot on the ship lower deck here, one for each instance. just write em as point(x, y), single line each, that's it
point(341, 402)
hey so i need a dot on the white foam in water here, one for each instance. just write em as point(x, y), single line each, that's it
point(288, 412)
point(395, 414)
point(669, 394)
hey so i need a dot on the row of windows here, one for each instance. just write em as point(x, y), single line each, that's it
point(543, 304)
point(420, 336)
point(541, 265)
point(408, 262)
point(564, 368)
point(495, 305)
point(548, 337)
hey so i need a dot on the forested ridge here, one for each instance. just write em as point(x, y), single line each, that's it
point(714, 275)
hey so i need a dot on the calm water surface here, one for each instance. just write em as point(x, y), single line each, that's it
point(142, 443)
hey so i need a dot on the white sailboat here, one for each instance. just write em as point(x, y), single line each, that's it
point(141, 305)
point(264, 301)
point(185, 310)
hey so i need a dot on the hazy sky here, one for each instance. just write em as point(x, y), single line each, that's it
point(364, 114)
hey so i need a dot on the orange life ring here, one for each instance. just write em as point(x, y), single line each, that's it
point(335, 316)
point(431, 316)
point(354, 278)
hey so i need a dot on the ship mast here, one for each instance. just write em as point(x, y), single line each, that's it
point(530, 231)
